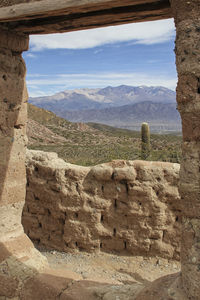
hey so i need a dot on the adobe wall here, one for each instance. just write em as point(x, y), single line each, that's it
point(12, 133)
point(186, 286)
point(15, 246)
point(187, 22)
point(129, 207)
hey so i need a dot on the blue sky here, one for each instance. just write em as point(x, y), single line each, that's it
point(133, 54)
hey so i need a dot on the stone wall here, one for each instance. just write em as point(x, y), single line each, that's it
point(129, 207)
point(186, 15)
point(18, 257)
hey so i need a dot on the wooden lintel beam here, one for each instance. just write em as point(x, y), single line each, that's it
point(93, 17)
point(44, 8)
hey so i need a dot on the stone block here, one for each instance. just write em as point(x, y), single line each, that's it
point(90, 214)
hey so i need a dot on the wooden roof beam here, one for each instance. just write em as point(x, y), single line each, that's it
point(50, 16)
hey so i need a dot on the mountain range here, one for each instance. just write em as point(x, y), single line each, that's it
point(122, 106)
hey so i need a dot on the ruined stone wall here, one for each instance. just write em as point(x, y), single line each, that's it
point(17, 254)
point(122, 207)
point(186, 14)
point(12, 133)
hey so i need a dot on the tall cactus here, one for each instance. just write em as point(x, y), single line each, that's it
point(145, 141)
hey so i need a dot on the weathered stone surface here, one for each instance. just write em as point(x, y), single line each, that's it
point(122, 206)
point(12, 134)
point(12, 123)
point(10, 221)
point(190, 256)
point(165, 288)
point(49, 285)
point(8, 286)
point(13, 41)
point(19, 260)
point(84, 290)
point(187, 22)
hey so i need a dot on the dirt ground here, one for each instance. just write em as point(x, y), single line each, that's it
point(113, 269)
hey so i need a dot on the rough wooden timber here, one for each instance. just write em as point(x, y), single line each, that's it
point(49, 16)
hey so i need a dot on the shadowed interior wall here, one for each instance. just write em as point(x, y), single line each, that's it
point(12, 132)
point(17, 253)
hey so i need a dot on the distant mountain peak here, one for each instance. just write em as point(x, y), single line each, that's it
point(94, 101)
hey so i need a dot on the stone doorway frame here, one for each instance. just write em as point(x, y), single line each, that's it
point(19, 19)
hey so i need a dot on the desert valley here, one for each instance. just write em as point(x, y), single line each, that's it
point(88, 141)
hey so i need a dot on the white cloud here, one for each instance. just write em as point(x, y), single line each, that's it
point(48, 85)
point(38, 93)
point(141, 33)
point(98, 51)
point(30, 55)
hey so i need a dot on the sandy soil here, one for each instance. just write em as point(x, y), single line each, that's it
point(108, 268)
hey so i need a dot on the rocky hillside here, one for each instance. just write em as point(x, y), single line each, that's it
point(45, 128)
point(92, 143)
